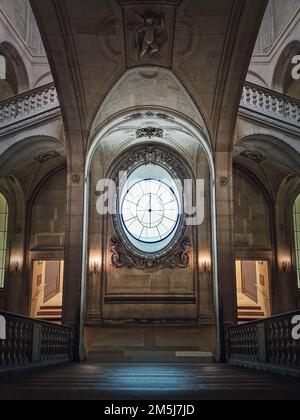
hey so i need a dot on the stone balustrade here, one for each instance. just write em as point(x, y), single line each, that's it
point(257, 102)
point(271, 105)
point(34, 343)
point(266, 344)
point(32, 104)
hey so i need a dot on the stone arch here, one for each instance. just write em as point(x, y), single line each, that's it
point(13, 190)
point(154, 87)
point(34, 149)
point(260, 148)
point(256, 78)
point(192, 135)
point(282, 78)
point(44, 80)
point(263, 196)
point(17, 75)
point(276, 164)
point(287, 194)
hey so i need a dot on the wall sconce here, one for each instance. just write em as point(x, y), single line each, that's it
point(205, 267)
point(95, 267)
point(15, 267)
point(286, 266)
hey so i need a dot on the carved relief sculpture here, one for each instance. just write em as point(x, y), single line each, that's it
point(149, 132)
point(150, 34)
point(121, 258)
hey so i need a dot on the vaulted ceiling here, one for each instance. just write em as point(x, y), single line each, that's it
point(207, 44)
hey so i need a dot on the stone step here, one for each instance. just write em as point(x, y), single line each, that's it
point(144, 356)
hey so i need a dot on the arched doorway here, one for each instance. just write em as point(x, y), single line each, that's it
point(151, 285)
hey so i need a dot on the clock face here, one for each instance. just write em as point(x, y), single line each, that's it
point(150, 211)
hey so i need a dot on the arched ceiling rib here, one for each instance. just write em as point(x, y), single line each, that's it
point(208, 46)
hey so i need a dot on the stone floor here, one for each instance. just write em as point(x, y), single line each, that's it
point(150, 382)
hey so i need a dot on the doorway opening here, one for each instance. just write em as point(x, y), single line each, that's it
point(253, 290)
point(47, 290)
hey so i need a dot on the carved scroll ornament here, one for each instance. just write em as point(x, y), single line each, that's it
point(120, 258)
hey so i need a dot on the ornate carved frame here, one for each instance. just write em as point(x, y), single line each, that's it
point(123, 253)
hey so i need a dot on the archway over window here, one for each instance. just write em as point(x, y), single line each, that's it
point(3, 237)
point(296, 214)
point(13, 68)
point(282, 79)
point(146, 263)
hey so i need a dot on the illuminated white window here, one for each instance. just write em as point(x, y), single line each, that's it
point(296, 212)
point(2, 68)
point(3, 237)
point(150, 211)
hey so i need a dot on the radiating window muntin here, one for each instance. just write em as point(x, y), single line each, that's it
point(3, 238)
point(151, 242)
point(150, 211)
point(296, 213)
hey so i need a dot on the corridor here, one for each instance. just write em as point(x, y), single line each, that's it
point(149, 382)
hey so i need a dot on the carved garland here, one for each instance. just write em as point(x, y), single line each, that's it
point(120, 258)
point(152, 154)
point(149, 132)
point(123, 254)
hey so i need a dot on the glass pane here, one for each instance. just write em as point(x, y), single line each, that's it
point(150, 211)
point(297, 235)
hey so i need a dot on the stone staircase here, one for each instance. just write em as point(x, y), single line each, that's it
point(250, 313)
point(50, 314)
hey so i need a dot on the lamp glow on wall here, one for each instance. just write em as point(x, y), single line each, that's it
point(286, 265)
point(16, 265)
point(95, 265)
point(205, 264)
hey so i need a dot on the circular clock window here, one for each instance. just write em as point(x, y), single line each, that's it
point(150, 209)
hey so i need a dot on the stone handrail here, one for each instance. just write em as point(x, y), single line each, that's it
point(28, 105)
point(266, 344)
point(31, 343)
point(271, 104)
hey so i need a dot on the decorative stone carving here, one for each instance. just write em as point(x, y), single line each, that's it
point(149, 34)
point(120, 258)
point(46, 156)
point(136, 116)
point(149, 132)
point(76, 178)
point(271, 105)
point(224, 182)
point(149, 154)
point(29, 104)
point(155, 154)
point(110, 35)
point(255, 156)
point(151, 115)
